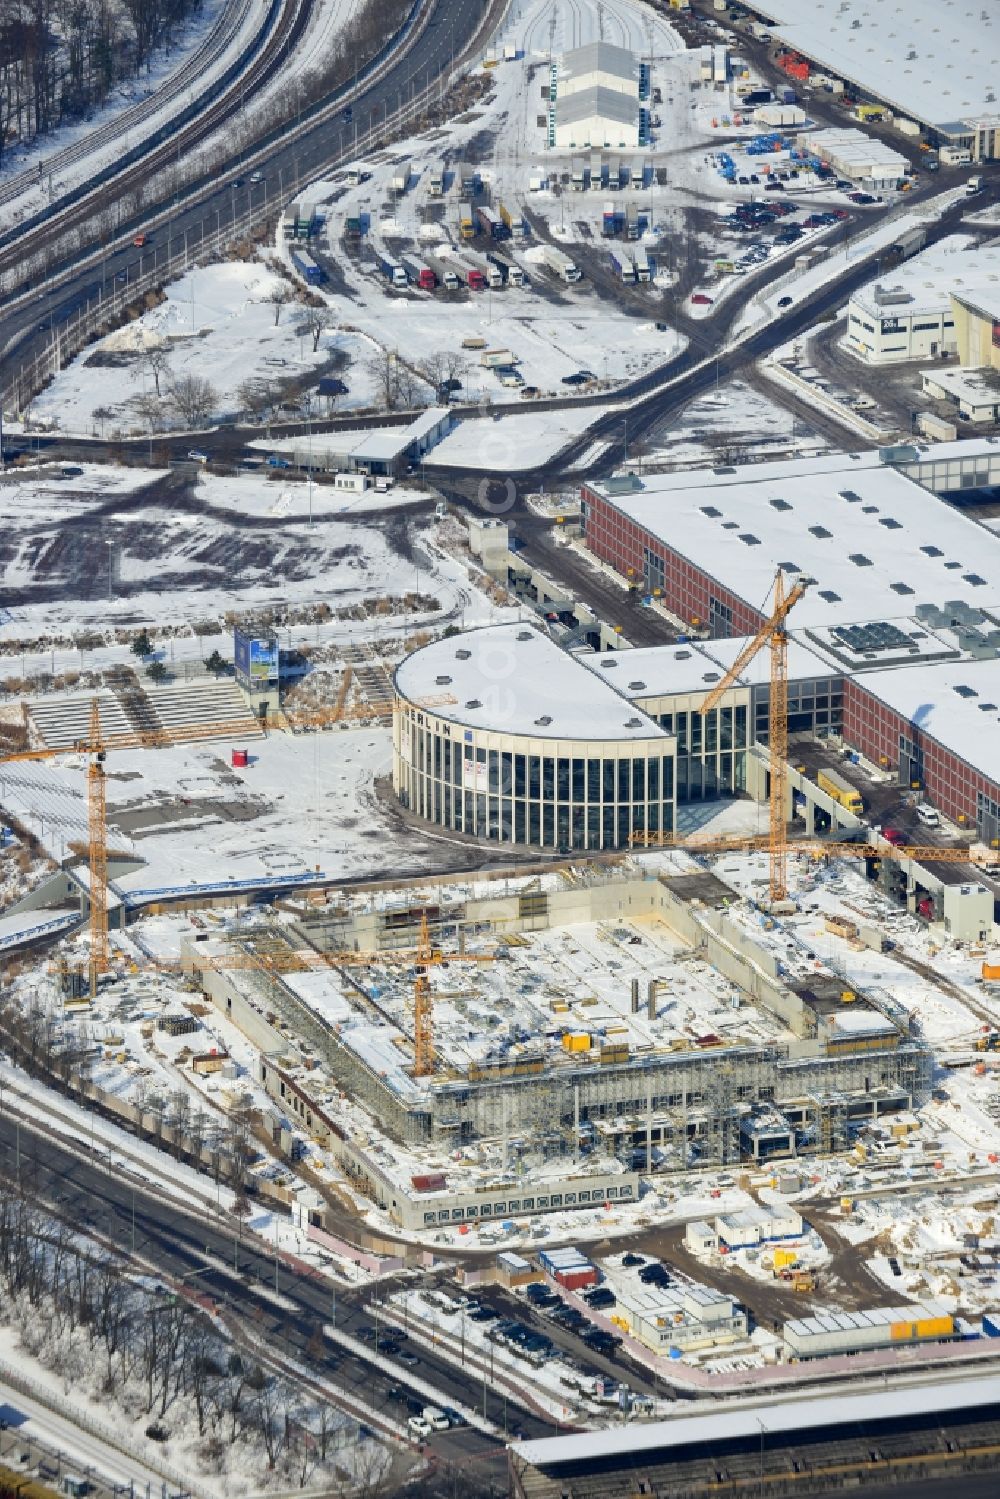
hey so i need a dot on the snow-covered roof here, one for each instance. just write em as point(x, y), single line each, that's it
point(597, 103)
point(936, 1398)
point(957, 703)
point(381, 445)
point(937, 60)
point(599, 57)
point(854, 149)
point(876, 543)
point(926, 283)
point(513, 679)
point(658, 670)
point(983, 294)
point(974, 387)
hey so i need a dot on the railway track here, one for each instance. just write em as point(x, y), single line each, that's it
point(291, 21)
point(228, 26)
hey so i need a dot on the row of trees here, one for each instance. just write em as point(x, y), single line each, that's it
point(59, 59)
point(78, 1312)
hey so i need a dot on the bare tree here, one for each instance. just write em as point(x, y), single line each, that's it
point(193, 398)
point(157, 362)
point(257, 397)
point(279, 297)
point(316, 321)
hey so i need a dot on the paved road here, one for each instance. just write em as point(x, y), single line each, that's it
point(451, 26)
point(179, 1244)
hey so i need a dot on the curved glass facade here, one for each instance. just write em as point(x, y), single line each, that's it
point(556, 794)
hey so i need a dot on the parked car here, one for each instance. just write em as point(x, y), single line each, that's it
point(418, 1427)
point(893, 836)
point(784, 301)
point(700, 300)
point(197, 456)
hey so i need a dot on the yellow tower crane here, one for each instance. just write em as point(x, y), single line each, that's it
point(773, 634)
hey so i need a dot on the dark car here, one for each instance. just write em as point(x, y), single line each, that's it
point(784, 301)
point(348, 115)
point(632, 1259)
point(576, 379)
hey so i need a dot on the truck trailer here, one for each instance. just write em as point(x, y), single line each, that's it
point(560, 263)
point(642, 267)
point(840, 789)
point(307, 267)
point(419, 273)
point(401, 177)
point(491, 223)
point(622, 265)
point(391, 269)
point(466, 223)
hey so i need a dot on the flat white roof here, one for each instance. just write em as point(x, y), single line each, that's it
point(925, 282)
point(957, 703)
point(657, 670)
point(383, 444)
point(977, 387)
point(603, 103)
point(937, 60)
point(938, 1397)
point(599, 57)
point(876, 543)
point(854, 148)
point(983, 296)
point(515, 679)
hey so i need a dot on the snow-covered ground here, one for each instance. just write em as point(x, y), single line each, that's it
point(519, 441)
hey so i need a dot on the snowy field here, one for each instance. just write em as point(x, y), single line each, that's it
point(217, 323)
point(732, 424)
point(520, 441)
point(178, 554)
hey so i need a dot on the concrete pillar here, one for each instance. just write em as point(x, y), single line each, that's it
point(635, 996)
point(651, 999)
point(810, 815)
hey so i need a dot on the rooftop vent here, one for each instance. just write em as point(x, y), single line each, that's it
point(725, 469)
point(987, 707)
point(932, 551)
point(730, 525)
point(544, 721)
point(974, 580)
point(900, 587)
point(463, 655)
point(473, 703)
point(820, 532)
point(682, 655)
point(711, 512)
point(789, 567)
point(608, 662)
point(891, 523)
point(860, 560)
point(442, 681)
point(779, 504)
point(749, 540)
point(850, 496)
point(525, 635)
point(964, 691)
point(636, 686)
point(953, 566)
point(869, 510)
point(633, 723)
point(710, 676)
point(829, 596)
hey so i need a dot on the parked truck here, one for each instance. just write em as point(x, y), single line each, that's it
point(513, 222)
point(307, 267)
point(973, 186)
point(466, 223)
point(446, 274)
point(609, 220)
point(475, 278)
point(491, 223)
point(500, 267)
point(643, 270)
point(622, 265)
point(391, 269)
point(908, 244)
point(560, 263)
point(419, 273)
point(631, 221)
point(492, 359)
point(401, 177)
point(840, 789)
point(436, 185)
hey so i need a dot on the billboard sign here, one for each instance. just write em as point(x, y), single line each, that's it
point(256, 657)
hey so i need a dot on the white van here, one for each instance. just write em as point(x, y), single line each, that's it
point(928, 816)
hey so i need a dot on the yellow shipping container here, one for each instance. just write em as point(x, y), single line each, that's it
point(576, 1041)
point(784, 1257)
point(898, 1331)
point(935, 1327)
point(847, 1205)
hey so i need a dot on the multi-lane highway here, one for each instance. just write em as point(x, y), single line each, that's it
point(180, 1245)
point(440, 33)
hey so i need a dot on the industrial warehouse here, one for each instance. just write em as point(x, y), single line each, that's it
point(894, 55)
point(595, 98)
point(900, 589)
